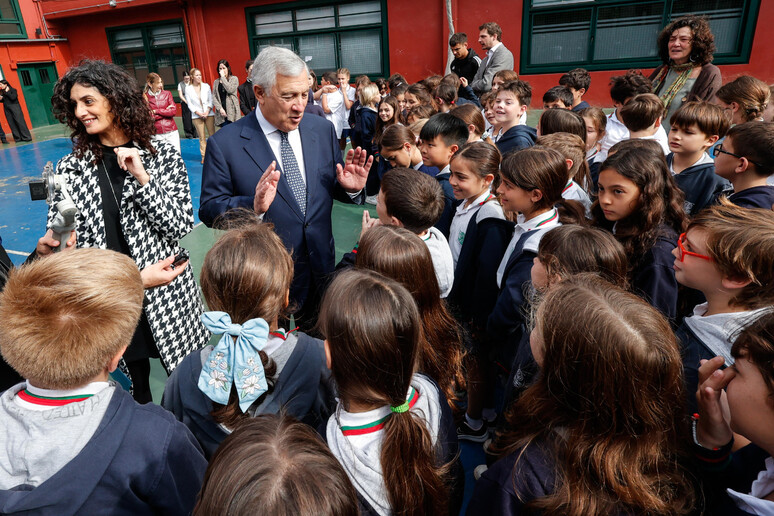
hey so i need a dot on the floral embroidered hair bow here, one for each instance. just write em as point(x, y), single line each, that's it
point(237, 363)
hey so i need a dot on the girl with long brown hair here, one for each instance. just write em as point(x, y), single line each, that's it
point(399, 254)
point(640, 203)
point(471, 115)
point(392, 431)
point(599, 432)
point(257, 367)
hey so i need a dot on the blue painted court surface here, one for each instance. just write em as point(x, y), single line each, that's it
point(23, 221)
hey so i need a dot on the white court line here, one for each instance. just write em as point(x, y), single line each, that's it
point(19, 253)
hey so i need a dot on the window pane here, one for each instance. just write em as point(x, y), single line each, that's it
point(6, 10)
point(725, 19)
point(136, 63)
point(166, 35)
point(127, 40)
point(318, 51)
point(628, 32)
point(360, 14)
point(274, 42)
point(318, 18)
point(544, 3)
point(10, 28)
point(361, 52)
point(273, 23)
point(560, 37)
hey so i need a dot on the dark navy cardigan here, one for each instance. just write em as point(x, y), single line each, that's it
point(755, 197)
point(303, 390)
point(516, 138)
point(654, 277)
point(139, 461)
point(700, 184)
point(449, 206)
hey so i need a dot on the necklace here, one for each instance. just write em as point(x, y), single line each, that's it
point(110, 183)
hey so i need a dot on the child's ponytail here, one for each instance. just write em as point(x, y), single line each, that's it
point(374, 335)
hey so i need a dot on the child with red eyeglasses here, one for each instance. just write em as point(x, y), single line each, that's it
point(727, 253)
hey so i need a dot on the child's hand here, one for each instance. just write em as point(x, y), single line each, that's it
point(463, 82)
point(367, 224)
point(712, 429)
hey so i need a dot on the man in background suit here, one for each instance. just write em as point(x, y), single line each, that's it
point(288, 168)
point(497, 57)
point(246, 95)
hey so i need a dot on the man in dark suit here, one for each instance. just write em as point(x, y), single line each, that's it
point(497, 57)
point(286, 167)
point(246, 95)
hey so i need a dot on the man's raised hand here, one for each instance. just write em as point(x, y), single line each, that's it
point(354, 174)
point(266, 189)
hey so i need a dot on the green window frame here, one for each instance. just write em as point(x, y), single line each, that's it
point(11, 22)
point(327, 35)
point(558, 35)
point(158, 47)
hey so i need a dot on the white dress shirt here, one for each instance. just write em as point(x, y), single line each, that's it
point(273, 137)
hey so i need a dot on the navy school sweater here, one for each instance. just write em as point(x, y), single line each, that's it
point(700, 184)
point(653, 279)
point(139, 461)
point(384, 166)
point(304, 389)
point(516, 138)
point(755, 197)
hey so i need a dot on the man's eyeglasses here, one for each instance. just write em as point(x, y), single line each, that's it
point(719, 149)
point(684, 251)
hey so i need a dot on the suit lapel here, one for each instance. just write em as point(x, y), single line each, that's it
point(259, 150)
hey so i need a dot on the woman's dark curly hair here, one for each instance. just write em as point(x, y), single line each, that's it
point(702, 45)
point(131, 111)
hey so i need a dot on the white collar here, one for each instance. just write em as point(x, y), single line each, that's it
point(754, 503)
point(266, 126)
point(477, 202)
point(493, 49)
point(549, 218)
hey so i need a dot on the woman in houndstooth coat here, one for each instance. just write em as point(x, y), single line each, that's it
point(133, 197)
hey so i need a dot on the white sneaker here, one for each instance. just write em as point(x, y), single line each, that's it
point(480, 469)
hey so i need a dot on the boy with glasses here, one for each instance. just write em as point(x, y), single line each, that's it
point(746, 159)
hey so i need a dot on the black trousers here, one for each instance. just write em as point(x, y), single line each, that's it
point(188, 127)
point(140, 372)
point(15, 117)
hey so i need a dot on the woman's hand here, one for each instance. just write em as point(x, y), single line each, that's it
point(712, 429)
point(161, 273)
point(129, 160)
point(222, 112)
point(47, 244)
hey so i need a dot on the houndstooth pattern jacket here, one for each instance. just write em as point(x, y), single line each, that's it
point(153, 218)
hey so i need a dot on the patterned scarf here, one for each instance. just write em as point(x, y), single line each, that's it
point(668, 96)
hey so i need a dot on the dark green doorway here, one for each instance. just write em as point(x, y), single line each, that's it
point(37, 83)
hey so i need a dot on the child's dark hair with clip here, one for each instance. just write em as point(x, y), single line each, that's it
point(561, 121)
point(728, 476)
point(279, 464)
point(398, 254)
point(392, 431)
point(445, 96)
point(245, 281)
point(471, 115)
point(600, 430)
point(639, 201)
point(531, 186)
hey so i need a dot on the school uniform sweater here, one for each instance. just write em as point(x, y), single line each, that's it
point(443, 262)
point(303, 389)
point(699, 183)
point(755, 197)
point(482, 207)
point(138, 460)
point(355, 439)
point(736, 484)
point(516, 138)
point(653, 279)
point(705, 337)
point(450, 203)
point(513, 275)
point(582, 105)
point(366, 124)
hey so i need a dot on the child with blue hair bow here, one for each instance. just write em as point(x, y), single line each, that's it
point(256, 367)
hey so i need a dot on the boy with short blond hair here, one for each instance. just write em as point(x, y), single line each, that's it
point(73, 442)
point(642, 117)
point(511, 104)
point(695, 127)
point(746, 159)
point(727, 253)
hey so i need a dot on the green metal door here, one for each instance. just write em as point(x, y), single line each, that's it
point(37, 83)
